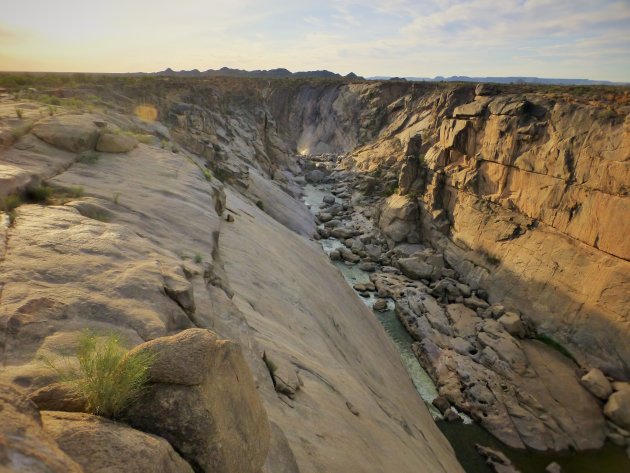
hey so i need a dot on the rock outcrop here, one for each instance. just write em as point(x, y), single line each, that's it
point(202, 399)
point(24, 445)
point(99, 445)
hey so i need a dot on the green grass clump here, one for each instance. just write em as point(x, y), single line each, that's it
point(207, 174)
point(9, 204)
point(105, 377)
point(39, 194)
point(391, 190)
point(198, 258)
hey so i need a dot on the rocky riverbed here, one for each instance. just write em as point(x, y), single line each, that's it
point(485, 361)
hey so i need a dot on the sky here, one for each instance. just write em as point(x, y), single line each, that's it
point(419, 38)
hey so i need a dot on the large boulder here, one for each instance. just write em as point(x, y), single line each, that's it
point(101, 445)
point(617, 408)
point(399, 219)
point(513, 324)
point(415, 268)
point(24, 446)
point(597, 383)
point(204, 402)
point(315, 176)
point(116, 143)
point(74, 133)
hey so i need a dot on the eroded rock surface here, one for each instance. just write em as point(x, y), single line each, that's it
point(101, 445)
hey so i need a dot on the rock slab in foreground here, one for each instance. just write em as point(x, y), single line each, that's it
point(24, 446)
point(204, 402)
point(99, 445)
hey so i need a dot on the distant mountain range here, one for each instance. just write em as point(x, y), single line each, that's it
point(504, 80)
point(279, 73)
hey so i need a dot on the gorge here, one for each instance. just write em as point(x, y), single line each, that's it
point(492, 218)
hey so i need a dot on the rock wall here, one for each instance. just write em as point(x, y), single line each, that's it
point(526, 192)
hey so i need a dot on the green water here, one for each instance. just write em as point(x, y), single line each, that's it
point(609, 459)
point(464, 435)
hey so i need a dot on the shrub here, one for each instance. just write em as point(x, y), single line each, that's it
point(260, 205)
point(39, 194)
point(105, 376)
point(198, 258)
point(19, 113)
point(391, 190)
point(10, 202)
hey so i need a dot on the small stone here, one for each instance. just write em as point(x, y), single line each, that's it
point(451, 416)
point(441, 403)
point(229, 218)
point(553, 468)
point(334, 255)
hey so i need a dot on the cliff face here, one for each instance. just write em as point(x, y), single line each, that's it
point(525, 192)
point(146, 241)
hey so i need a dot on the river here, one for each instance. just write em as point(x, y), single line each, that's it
point(464, 435)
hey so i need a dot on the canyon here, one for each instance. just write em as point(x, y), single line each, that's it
point(494, 217)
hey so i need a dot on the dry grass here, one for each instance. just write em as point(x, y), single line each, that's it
point(105, 376)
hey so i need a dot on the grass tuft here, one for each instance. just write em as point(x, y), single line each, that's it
point(39, 194)
point(105, 376)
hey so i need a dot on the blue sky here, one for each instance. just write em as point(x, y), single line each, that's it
point(562, 38)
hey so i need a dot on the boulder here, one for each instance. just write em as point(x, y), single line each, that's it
point(441, 404)
point(349, 256)
point(99, 444)
point(324, 217)
point(115, 143)
point(617, 408)
point(513, 324)
point(342, 233)
point(596, 383)
point(329, 199)
point(74, 133)
point(315, 176)
point(24, 445)
point(399, 219)
point(57, 397)
point(204, 402)
point(380, 305)
point(334, 255)
point(368, 266)
point(415, 268)
point(496, 460)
